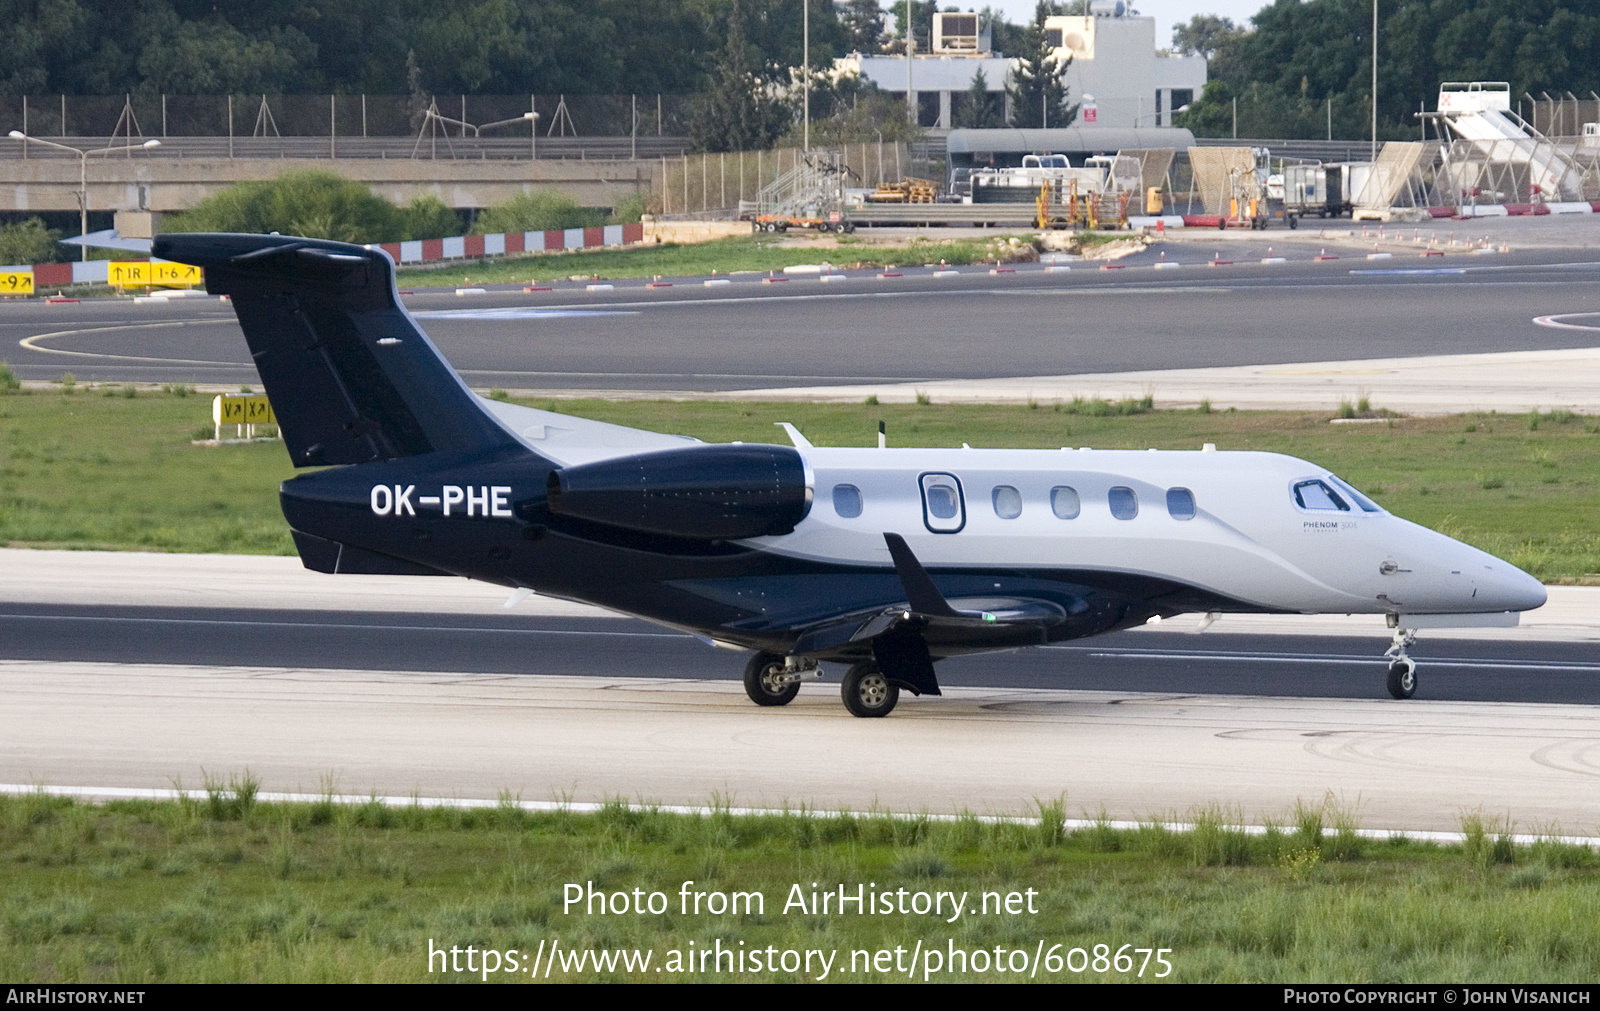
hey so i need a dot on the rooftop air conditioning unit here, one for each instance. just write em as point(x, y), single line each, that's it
point(957, 33)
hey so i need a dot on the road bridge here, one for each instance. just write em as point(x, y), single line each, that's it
point(464, 173)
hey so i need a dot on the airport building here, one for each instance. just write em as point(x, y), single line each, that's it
point(1116, 72)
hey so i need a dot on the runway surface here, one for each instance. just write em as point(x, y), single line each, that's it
point(918, 327)
point(1310, 666)
point(136, 670)
point(1418, 766)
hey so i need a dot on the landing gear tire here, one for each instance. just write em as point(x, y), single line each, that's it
point(1402, 679)
point(866, 692)
point(768, 681)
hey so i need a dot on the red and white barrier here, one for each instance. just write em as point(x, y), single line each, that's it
point(47, 275)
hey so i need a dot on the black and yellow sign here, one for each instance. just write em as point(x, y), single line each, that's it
point(242, 409)
point(16, 282)
point(155, 273)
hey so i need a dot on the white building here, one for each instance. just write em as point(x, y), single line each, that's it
point(1114, 61)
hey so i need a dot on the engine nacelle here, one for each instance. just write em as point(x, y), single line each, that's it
point(716, 492)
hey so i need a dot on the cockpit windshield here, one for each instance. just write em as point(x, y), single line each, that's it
point(1366, 504)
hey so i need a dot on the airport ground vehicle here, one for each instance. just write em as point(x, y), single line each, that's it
point(833, 221)
point(1323, 191)
point(885, 560)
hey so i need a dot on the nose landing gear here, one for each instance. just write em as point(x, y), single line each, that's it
point(1402, 679)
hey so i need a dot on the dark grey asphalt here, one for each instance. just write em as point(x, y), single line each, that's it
point(1213, 663)
point(750, 335)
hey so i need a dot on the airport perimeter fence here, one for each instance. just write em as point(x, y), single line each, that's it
point(713, 185)
point(1561, 117)
point(355, 126)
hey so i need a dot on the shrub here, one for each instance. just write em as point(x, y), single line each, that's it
point(28, 241)
point(630, 209)
point(315, 203)
point(428, 217)
point(538, 211)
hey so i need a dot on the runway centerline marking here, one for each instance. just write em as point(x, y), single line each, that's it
point(518, 312)
point(30, 343)
point(1336, 659)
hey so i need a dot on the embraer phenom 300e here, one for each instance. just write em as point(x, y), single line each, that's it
point(883, 559)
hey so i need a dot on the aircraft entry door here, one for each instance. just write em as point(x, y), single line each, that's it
point(943, 510)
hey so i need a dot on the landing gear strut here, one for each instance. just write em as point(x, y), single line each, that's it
point(1402, 679)
point(774, 680)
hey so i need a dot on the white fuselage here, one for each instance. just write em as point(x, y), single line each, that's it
point(1247, 535)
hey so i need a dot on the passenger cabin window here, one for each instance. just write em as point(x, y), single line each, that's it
point(847, 501)
point(1124, 503)
point(942, 508)
point(1064, 503)
point(1316, 495)
point(1180, 503)
point(1007, 502)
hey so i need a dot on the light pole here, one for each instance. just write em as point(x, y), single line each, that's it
point(83, 173)
point(805, 58)
point(1374, 154)
point(911, 48)
point(527, 117)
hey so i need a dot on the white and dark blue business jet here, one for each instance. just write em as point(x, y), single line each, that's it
point(886, 560)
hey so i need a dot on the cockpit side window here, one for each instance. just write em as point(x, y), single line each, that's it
point(1319, 497)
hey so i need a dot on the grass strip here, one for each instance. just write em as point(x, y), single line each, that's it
point(98, 468)
point(725, 256)
point(220, 887)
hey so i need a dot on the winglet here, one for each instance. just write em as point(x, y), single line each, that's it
point(800, 441)
point(923, 596)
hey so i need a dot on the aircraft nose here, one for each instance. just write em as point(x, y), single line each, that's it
point(1508, 588)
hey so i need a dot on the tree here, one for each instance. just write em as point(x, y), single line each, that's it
point(922, 12)
point(314, 203)
point(28, 241)
point(1037, 92)
point(978, 110)
point(536, 212)
point(850, 110)
point(1203, 35)
point(863, 21)
point(741, 111)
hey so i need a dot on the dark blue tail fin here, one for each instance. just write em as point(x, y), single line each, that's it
point(350, 375)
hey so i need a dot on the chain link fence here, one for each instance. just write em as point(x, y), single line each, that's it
point(261, 116)
point(713, 185)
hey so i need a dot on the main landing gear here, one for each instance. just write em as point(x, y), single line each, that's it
point(774, 680)
point(1402, 679)
point(867, 692)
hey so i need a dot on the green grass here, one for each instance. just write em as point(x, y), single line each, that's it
point(725, 256)
point(88, 470)
point(221, 887)
point(96, 468)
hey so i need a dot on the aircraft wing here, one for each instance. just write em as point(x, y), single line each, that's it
point(905, 637)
